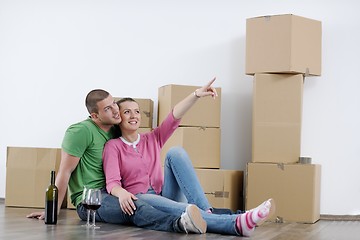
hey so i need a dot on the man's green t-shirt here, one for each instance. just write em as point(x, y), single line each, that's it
point(86, 141)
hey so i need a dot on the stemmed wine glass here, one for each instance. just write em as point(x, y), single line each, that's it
point(85, 205)
point(94, 203)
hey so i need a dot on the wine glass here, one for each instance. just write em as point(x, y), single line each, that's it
point(84, 200)
point(94, 202)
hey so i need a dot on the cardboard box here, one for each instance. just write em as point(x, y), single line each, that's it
point(205, 113)
point(146, 108)
point(294, 187)
point(201, 144)
point(68, 200)
point(28, 175)
point(283, 44)
point(277, 116)
point(223, 188)
point(144, 130)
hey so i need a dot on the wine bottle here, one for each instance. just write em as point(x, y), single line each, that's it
point(51, 201)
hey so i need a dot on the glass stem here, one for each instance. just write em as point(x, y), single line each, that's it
point(94, 212)
point(88, 217)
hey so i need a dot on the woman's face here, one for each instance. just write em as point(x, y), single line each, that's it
point(130, 116)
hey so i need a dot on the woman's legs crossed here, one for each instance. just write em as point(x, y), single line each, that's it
point(197, 223)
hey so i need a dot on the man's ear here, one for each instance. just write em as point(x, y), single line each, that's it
point(94, 116)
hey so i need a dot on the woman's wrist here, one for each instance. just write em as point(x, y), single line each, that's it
point(195, 93)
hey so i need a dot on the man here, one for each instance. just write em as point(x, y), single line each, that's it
point(81, 165)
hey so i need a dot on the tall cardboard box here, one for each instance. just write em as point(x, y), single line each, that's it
point(283, 44)
point(146, 110)
point(223, 188)
point(201, 144)
point(277, 115)
point(28, 175)
point(205, 113)
point(294, 187)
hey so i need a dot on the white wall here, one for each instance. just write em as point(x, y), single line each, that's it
point(53, 52)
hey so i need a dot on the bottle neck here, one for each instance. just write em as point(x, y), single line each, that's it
point(52, 177)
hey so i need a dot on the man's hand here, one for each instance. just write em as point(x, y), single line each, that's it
point(38, 215)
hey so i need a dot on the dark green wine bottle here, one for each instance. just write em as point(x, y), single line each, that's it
point(51, 201)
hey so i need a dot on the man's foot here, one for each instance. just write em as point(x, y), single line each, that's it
point(191, 220)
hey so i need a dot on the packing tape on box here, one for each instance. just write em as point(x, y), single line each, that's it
point(279, 220)
point(281, 166)
point(219, 194)
point(305, 160)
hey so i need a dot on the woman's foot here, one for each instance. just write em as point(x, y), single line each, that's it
point(191, 220)
point(246, 222)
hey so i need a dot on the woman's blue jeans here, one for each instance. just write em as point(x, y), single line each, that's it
point(180, 181)
point(181, 186)
point(223, 224)
point(146, 216)
point(161, 212)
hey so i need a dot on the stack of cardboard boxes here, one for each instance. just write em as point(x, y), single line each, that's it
point(281, 50)
point(199, 134)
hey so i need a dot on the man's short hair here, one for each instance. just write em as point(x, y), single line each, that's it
point(93, 97)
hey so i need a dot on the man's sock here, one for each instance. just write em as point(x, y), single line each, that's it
point(246, 222)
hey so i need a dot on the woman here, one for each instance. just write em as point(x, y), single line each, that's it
point(133, 170)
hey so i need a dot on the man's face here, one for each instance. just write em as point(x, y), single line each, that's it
point(108, 112)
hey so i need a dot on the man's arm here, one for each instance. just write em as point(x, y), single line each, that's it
point(67, 165)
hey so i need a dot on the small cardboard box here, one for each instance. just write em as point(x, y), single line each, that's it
point(223, 188)
point(28, 175)
point(283, 44)
point(201, 144)
point(204, 113)
point(277, 115)
point(144, 130)
point(68, 200)
point(146, 108)
point(295, 189)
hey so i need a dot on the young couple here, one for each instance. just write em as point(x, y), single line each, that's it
point(128, 169)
